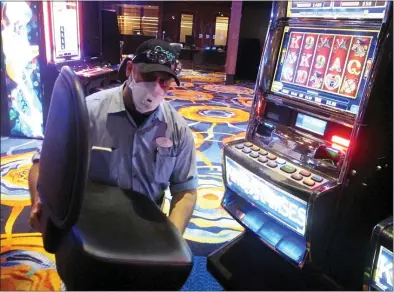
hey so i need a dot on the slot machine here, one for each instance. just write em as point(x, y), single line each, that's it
point(63, 34)
point(315, 169)
point(379, 271)
point(21, 80)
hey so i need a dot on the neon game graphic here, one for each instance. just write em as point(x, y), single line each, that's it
point(20, 37)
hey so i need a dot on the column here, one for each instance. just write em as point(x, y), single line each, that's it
point(232, 43)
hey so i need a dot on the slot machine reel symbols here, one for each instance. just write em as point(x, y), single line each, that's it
point(320, 62)
point(309, 42)
point(349, 85)
point(332, 81)
point(324, 42)
point(360, 48)
point(288, 74)
point(316, 80)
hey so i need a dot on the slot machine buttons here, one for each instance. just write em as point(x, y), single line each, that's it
point(263, 152)
point(248, 144)
point(239, 146)
point(288, 169)
point(246, 150)
point(317, 178)
point(255, 148)
point(272, 164)
point(305, 173)
point(280, 161)
point(296, 176)
point(262, 159)
point(254, 155)
point(271, 156)
point(309, 182)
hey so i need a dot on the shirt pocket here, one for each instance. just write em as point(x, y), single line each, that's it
point(104, 166)
point(164, 166)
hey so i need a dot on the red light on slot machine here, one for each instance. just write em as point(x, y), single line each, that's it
point(336, 140)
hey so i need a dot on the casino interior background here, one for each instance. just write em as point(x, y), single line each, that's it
point(215, 97)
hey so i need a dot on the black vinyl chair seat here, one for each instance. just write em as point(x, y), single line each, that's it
point(123, 226)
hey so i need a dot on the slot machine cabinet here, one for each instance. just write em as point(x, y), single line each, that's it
point(63, 31)
point(315, 169)
point(379, 269)
point(21, 70)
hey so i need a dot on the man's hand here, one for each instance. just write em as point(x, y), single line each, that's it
point(182, 207)
point(34, 217)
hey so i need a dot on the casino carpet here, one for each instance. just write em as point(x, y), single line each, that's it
point(215, 113)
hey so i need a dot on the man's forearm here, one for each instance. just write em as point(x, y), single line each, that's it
point(182, 206)
point(33, 181)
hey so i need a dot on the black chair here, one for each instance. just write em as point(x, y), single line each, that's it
point(104, 238)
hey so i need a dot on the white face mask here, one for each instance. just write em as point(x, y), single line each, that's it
point(147, 96)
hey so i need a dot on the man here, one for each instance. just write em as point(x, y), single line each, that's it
point(139, 141)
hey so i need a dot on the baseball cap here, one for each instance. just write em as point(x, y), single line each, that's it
point(156, 55)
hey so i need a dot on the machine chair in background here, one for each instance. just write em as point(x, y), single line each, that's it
point(104, 238)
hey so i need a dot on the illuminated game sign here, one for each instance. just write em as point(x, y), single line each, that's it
point(20, 36)
point(383, 276)
point(62, 30)
point(274, 202)
point(337, 9)
point(325, 66)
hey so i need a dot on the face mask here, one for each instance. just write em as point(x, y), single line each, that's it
point(147, 96)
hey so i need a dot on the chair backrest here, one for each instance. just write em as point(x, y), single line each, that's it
point(64, 158)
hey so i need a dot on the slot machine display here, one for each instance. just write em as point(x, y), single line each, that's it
point(315, 169)
point(379, 271)
point(21, 73)
point(63, 23)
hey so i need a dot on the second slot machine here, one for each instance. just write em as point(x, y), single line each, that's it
point(315, 170)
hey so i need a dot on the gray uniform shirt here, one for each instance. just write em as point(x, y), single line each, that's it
point(146, 159)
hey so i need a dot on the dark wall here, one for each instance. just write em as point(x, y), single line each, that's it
point(255, 20)
point(91, 32)
point(204, 18)
point(253, 30)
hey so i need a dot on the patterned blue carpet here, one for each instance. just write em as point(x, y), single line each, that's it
point(216, 114)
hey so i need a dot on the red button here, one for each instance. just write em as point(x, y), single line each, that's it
point(305, 173)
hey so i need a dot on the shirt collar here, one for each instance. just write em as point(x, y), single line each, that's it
point(117, 105)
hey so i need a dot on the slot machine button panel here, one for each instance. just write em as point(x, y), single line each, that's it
point(305, 173)
point(272, 164)
point(288, 169)
point(254, 155)
point(271, 156)
point(317, 178)
point(309, 182)
point(280, 165)
point(296, 176)
point(255, 148)
point(262, 159)
point(263, 152)
point(246, 150)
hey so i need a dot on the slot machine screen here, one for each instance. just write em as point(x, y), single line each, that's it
point(65, 30)
point(337, 9)
point(383, 274)
point(325, 66)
